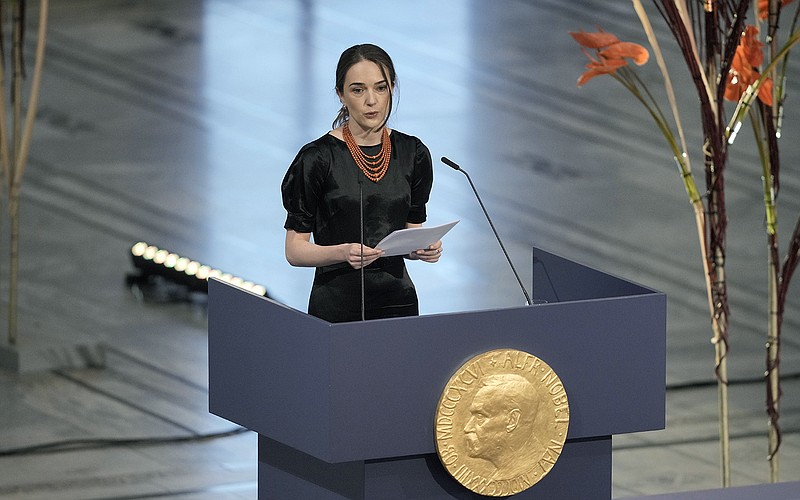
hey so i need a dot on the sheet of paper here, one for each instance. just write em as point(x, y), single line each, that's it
point(405, 241)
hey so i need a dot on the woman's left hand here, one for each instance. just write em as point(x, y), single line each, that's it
point(430, 254)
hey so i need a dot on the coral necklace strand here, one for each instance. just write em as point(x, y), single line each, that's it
point(373, 166)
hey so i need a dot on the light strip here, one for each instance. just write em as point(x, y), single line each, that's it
point(151, 259)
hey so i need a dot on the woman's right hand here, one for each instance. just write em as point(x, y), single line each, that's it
point(353, 255)
point(301, 252)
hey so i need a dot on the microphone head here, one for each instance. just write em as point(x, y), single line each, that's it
point(450, 163)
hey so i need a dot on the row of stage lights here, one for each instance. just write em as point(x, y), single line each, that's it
point(151, 260)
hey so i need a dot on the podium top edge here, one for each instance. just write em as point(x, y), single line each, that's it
point(646, 292)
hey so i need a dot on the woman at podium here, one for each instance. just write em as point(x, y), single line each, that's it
point(358, 183)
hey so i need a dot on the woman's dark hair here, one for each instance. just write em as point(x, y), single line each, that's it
point(356, 54)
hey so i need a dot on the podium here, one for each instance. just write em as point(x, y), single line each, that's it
point(346, 410)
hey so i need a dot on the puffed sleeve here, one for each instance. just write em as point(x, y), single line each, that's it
point(421, 183)
point(301, 188)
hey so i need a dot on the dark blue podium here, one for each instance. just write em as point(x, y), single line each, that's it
point(346, 411)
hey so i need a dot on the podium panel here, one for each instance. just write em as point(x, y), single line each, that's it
point(356, 401)
point(284, 472)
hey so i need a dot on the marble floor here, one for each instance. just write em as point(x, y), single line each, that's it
point(173, 122)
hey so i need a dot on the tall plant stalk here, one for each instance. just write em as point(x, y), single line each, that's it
point(765, 120)
point(15, 147)
point(724, 60)
point(710, 76)
point(707, 56)
point(771, 168)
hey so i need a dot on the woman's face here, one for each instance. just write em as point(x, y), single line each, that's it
point(366, 94)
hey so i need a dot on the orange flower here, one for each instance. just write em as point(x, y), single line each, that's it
point(744, 69)
point(752, 46)
point(601, 67)
point(763, 8)
point(629, 50)
point(595, 40)
point(765, 92)
point(612, 53)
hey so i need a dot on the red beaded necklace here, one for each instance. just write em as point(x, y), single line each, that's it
point(373, 166)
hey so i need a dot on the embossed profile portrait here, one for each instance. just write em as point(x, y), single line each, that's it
point(501, 429)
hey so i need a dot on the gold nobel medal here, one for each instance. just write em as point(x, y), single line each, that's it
point(501, 422)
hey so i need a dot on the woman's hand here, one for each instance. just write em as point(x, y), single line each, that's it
point(353, 255)
point(430, 254)
point(302, 253)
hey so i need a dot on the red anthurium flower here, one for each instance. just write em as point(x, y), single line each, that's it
point(737, 81)
point(752, 46)
point(744, 72)
point(763, 7)
point(612, 53)
point(628, 50)
point(601, 67)
point(595, 40)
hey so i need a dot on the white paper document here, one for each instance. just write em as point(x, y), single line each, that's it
point(405, 241)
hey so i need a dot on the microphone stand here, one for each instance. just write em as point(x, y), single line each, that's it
point(361, 226)
point(455, 166)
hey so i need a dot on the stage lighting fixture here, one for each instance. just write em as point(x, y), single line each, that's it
point(151, 260)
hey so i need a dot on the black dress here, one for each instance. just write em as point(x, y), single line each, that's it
point(321, 195)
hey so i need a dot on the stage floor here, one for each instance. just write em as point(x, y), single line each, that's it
point(174, 122)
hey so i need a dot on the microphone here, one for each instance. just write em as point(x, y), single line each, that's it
point(455, 166)
point(361, 230)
